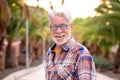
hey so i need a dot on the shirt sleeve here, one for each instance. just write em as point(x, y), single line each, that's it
point(85, 66)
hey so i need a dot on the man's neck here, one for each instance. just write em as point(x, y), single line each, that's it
point(58, 49)
point(58, 46)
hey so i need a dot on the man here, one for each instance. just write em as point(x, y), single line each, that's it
point(67, 59)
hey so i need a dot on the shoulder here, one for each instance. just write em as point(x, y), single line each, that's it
point(80, 49)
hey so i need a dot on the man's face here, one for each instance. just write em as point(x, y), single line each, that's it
point(60, 30)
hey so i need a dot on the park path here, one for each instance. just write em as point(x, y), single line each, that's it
point(40, 75)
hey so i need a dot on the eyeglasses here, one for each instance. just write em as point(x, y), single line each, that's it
point(61, 26)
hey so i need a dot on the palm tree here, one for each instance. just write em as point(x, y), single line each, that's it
point(103, 29)
point(13, 32)
point(37, 20)
point(4, 22)
point(110, 12)
point(38, 29)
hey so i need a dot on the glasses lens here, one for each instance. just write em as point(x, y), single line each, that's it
point(52, 27)
point(61, 26)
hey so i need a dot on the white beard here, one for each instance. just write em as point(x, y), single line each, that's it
point(61, 38)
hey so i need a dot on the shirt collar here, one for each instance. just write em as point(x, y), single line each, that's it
point(67, 46)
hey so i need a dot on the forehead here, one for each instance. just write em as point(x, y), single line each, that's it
point(58, 20)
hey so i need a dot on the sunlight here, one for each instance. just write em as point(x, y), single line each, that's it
point(81, 8)
point(78, 8)
point(33, 3)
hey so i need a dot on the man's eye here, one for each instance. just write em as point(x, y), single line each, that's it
point(54, 26)
point(63, 25)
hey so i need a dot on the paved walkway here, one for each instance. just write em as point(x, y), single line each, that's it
point(40, 75)
point(37, 73)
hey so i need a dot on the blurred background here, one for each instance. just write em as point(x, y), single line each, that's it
point(25, 36)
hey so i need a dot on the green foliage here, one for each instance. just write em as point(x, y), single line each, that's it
point(16, 8)
point(80, 27)
point(102, 63)
point(110, 21)
point(38, 21)
point(34, 31)
point(104, 29)
point(14, 28)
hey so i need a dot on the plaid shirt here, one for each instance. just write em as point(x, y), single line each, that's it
point(73, 63)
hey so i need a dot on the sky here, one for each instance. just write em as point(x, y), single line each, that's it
point(77, 8)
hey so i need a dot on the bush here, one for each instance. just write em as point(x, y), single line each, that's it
point(102, 64)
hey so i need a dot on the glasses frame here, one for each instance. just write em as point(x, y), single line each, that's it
point(61, 26)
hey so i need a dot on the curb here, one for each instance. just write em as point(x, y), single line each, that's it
point(19, 74)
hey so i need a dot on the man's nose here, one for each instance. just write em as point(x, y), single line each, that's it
point(58, 29)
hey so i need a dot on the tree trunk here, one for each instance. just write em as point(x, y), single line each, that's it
point(3, 45)
point(12, 53)
point(6, 12)
point(117, 61)
point(106, 55)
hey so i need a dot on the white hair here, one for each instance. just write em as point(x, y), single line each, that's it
point(62, 13)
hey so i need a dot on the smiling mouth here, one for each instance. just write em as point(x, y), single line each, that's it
point(60, 35)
